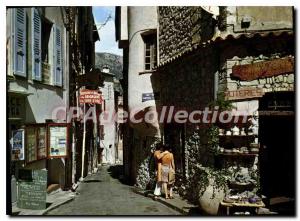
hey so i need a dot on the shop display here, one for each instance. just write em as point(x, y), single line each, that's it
point(17, 145)
point(31, 144)
point(57, 141)
point(41, 143)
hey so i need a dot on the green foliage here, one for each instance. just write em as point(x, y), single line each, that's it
point(221, 102)
point(213, 139)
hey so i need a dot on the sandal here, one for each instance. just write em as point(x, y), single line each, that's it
point(167, 198)
point(171, 197)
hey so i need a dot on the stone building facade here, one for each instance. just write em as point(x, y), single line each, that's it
point(203, 70)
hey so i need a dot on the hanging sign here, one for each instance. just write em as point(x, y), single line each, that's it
point(90, 97)
point(58, 140)
point(244, 93)
point(249, 72)
point(17, 147)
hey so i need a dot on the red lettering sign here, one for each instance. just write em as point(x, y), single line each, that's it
point(90, 97)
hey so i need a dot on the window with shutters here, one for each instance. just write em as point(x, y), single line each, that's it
point(45, 52)
point(57, 71)
point(36, 45)
point(150, 51)
point(19, 41)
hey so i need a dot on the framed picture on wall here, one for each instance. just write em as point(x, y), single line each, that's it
point(58, 140)
point(17, 145)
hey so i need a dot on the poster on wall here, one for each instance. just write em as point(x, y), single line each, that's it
point(41, 143)
point(57, 141)
point(17, 147)
point(30, 144)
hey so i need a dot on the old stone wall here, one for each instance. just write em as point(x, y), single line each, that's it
point(261, 51)
point(180, 28)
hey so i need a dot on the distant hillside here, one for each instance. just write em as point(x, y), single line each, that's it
point(114, 62)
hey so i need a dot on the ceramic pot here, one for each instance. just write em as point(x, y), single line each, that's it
point(209, 204)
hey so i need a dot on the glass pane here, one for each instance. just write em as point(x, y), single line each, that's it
point(147, 67)
point(12, 101)
point(147, 52)
point(17, 111)
point(147, 60)
point(147, 46)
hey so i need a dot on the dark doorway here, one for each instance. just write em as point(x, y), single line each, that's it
point(277, 139)
point(174, 135)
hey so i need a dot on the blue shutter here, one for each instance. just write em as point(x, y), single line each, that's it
point(36, 45)
point(20, 42)
point(57, 56)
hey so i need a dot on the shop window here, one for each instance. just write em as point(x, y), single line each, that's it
point(150, 51)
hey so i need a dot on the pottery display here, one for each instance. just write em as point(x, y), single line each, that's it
point(243, 133)
point(228, 133)
point(254, 150)
point(235, 130)
point(221, 132)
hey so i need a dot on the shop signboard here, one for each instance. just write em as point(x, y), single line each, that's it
point(90, 97)
point(32, 189)
point(244, 93)
point(17, 147)
point(249, 72)
point(58, 140)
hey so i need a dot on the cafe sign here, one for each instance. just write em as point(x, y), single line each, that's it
point(244, 93)
point(90, 97)
point(263, 69)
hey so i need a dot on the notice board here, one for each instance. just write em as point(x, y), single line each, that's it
point(32, 189)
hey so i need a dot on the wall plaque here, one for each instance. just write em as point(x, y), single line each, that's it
point(244, 93)
point(249, 72)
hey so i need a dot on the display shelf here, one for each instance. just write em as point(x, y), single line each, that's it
point(238, 154)
point(248, 135)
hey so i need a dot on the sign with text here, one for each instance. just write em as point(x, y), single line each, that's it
point(32, 188)
point(244, 93)
point(58, 141)
point(90, 97)
point(249, 72)
point(17, 148)
point(150, 96)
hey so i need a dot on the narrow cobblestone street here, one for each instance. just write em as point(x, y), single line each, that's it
point(104, 194)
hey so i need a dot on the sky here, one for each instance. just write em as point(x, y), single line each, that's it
point(107, 41)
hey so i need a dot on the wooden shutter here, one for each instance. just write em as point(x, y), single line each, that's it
point(36, 45)
point(57, 56)
point(20, 42)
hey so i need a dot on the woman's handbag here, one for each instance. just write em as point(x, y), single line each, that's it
point(171, 176)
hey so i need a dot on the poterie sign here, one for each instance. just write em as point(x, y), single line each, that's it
point(90, 97)
point(244, 93)
point(263, 69)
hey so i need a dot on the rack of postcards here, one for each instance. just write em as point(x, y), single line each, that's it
point(238, 152)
